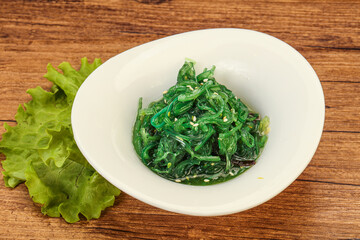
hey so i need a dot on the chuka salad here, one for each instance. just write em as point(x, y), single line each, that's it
point(199, 132)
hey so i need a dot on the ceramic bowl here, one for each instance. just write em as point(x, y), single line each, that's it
point(265, 72)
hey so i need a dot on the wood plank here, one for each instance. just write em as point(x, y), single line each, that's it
point(342, 102)
point(327, 24)
point(341, 98)
point(336, 160)
point(305, 210)
point(333, 65)
point(330, 64)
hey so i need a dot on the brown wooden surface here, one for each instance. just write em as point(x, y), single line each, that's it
point(323, 203)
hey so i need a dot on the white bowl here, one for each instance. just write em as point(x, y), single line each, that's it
point(268, 74)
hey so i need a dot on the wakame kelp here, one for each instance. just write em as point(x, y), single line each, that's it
point(199, 132)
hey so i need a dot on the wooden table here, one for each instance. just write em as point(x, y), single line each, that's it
point(323, 203)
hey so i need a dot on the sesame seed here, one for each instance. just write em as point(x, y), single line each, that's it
point(212, 164)
point(193, 118)
point(215, 93)
point(201, 84)
point(206, 180)
point(187, 178)
point(169, 165)
point(177, 180)
point(164, 100)
point(225, 119)
point(164, 92)
point(260, 178)
point(191, 123)
point(175, 119)
point(195, 176)
point(196, 87)
point(179, 138)
point(267, 130)
point(231, 173)
point(205, 80)
point(195, 124)
point(190, 87)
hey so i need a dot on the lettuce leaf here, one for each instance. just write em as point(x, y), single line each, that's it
point(41, 151)
point(69, 190)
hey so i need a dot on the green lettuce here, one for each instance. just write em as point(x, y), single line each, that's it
point(40, 151)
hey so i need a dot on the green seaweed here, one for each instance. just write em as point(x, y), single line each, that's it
point(198, 133)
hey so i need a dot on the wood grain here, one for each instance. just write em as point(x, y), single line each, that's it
point(305, 210)
point(323, 203)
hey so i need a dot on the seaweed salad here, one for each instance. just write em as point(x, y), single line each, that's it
point(199, 132)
